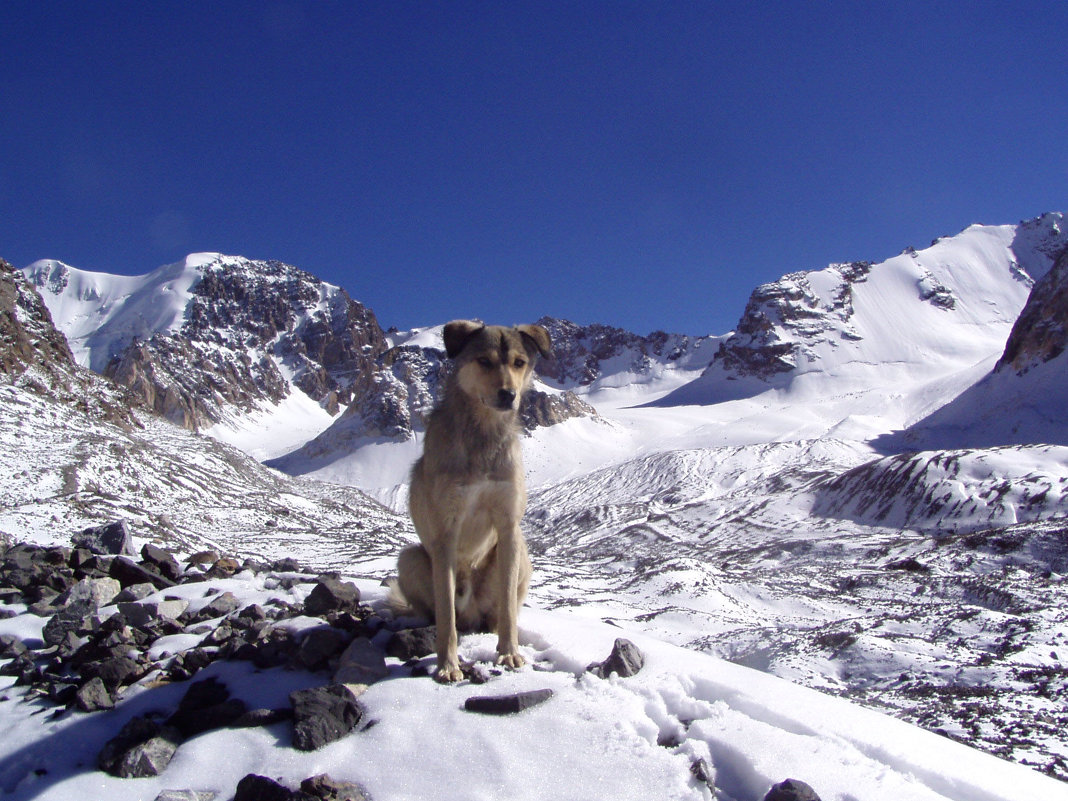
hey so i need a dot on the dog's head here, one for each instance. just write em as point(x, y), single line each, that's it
point(494, 363)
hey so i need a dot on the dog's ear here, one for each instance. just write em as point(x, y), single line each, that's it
point(539, 336)
point(457, 333)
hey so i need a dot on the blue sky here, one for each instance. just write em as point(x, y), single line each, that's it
point(638, 164)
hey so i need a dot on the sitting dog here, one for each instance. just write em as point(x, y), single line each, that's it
point(468, 494)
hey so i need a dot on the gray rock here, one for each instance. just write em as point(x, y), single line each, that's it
point(332, 595)
point(111, 538)
point(507, 704)
point(93, 696)
point(71, 619)
point(135, 592)
point(322, 715)
point(129, 572)
point(97, 591)
point(186, 795)
point(146, 612)
point(163, 561)
point(701, 771)
point(625, 660)
point(221, 605)
point(319, 646)
point(412, 643)
point(361, 663)
point(326, 789)
point(791, 790)
point(142, 748)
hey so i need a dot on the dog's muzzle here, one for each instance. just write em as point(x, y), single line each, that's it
point(505, 399)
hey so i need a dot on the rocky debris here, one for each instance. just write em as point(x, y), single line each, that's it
point(625, 660)
point(703, 772)
point(362, 663)
point(791, 790)
point(314, 788)
point(322, 715)
point(28, 336)
point(507, 704)
point(543, 409)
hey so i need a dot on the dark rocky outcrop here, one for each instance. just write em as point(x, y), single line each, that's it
point(625, 661)
point(1040, 333)
point(791, 790)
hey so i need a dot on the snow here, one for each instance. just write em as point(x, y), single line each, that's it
point(632, 738)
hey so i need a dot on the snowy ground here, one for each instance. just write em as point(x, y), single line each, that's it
point(632, 738)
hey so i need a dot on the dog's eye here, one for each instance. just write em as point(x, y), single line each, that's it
point(484, 362)
point(520, 363)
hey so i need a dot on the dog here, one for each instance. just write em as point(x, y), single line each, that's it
point(468, 493)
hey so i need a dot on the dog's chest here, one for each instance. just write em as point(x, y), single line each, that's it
point(488, 506)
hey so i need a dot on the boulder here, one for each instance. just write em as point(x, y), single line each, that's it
point(142, 748)
point(625, 660)
point(332, 595)
point(322, 715)
point(507, 704)
point(791, 790)
point(110, 538)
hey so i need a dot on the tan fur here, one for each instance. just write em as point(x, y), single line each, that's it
point(468, 495)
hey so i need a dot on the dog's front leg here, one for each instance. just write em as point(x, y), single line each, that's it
point(511, 550)
point(444, 569)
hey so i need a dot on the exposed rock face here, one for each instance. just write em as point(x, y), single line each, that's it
point(784, 318)
point(581, 353)
point(27, 335)
point(245, 323)
point(1041, 331)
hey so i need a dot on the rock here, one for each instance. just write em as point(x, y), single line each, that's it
point(142, 748)
point(147, 612)
point(412, 643)
point(206, 705)
point(327, 789)
point(507, 704)
point(116, 672)
point(261, 788)
point(135, 592)
point(322, 715)
point(625, 660)
point(332, 595)
point(319, 646)
point(791, 790)
point(226, 567)
point(129, 572)
point(261, 717)
point(221, 605)
point(161, 561)
point(186, 795)
point(97, 591)
point(361, 663)
point(93, 696)
point(111, 538)
point(72, 619)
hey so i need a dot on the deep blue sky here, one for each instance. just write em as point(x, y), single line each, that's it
point(639, 164)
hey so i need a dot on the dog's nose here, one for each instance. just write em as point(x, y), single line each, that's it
point(505, 398)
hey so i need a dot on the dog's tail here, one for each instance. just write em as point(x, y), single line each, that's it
point(399, 605)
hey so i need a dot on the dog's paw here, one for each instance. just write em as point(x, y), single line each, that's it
point(448, 674)
point(511, 661)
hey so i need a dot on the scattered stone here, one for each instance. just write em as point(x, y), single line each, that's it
point(327, 789)
point(791, 790)
point(129, 572)
point(261, 788)
point(221, 605)
point(146, 612)
point(97, 591)
point(507, 704)
point(116, 672)
point(135, 592)
point(161, 561)
point(361, 663)
point(625, 660)
point(186, 795)
point(287, 565)
point(111, 538)
point(93, 696)
point(73, 618)
point(322, 715)
point(332, 595)
point(142, 748)
point(412, 643)
point(225, 567)
point(319, 646)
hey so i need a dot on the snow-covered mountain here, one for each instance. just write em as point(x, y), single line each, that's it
point(808, 495)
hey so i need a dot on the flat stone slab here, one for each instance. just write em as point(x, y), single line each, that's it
point(507, 704)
